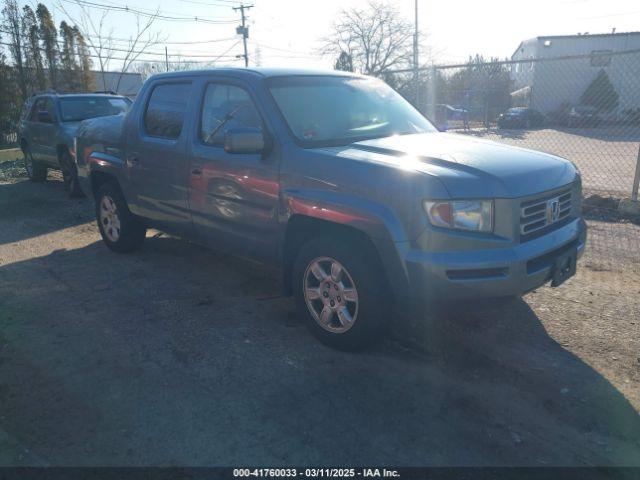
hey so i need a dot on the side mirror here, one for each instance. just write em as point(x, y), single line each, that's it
point(44, 117)
point(244, 140)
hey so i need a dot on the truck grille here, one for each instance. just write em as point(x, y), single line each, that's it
point(543, 214)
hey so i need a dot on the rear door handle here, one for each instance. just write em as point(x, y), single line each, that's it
point(134, 161)
point(196, 172)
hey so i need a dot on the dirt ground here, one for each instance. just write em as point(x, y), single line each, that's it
point(179, 356)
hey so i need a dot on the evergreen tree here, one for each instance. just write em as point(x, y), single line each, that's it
point(9, 104)
point(33, 52)
point(49, 38)
point(12, 23)
point(344, 62)
point(84, 60)
point(601, 93)
point(68, 64)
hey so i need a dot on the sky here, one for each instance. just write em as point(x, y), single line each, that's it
point(288, 32)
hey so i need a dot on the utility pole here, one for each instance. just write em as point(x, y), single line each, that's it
point(244, 31)
point(166, 58)
point(416, 66)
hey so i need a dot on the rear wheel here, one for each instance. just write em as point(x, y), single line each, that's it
point(36, 171)
point(70, 175)
point(122, 231)
point(340, 292)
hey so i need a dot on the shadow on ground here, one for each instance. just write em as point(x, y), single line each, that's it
point(179, 356)
point(24, 204)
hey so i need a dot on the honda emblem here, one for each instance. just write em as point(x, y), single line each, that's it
point(553, 210)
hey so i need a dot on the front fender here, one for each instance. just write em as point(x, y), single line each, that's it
point(96, 162)
point(375, 220)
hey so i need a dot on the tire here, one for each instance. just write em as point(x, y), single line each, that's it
point(361, 290)
point(122, 231)
point(36, 171)
point(70, 175)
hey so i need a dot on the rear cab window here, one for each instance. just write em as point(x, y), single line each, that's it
point(165, 111)
point(76, 109)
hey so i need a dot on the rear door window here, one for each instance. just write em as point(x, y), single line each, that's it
point(164, 116)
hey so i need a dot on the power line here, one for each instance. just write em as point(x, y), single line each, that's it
point(156, 15)
point(148, 60)
point(285, 50)
point(226, 51)
point(142, 52)
point(125, 40)
point(214, 3)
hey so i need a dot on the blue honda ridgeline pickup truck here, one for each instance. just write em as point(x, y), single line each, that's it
point(334, 177)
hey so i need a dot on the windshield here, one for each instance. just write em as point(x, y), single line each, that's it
point(338, 110)
point(75, 109)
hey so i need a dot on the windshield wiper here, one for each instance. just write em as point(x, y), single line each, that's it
point(225, 120)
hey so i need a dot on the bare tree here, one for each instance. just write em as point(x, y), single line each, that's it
point(376, 38)
point(101, 42)
point(148, 69)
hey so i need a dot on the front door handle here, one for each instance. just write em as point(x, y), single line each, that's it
point(196, 172)
point(133, 161)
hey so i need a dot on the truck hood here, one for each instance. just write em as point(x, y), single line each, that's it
point(467, 166)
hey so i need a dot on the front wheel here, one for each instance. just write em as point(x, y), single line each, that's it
point(340, 292)
point(70, 175)
point(36, 171)
point(122, 231)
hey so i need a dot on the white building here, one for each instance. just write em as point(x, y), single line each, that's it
point(547, 84)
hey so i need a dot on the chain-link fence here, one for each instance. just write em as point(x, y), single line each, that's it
point(585, 108)
point(8, 139)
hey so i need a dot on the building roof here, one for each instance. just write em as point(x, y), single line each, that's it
point(127, 83)
point(578, 35)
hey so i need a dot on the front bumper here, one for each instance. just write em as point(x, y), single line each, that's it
point(445, 276)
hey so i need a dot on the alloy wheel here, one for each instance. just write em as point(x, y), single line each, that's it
point(330, 294)
point(109, 218)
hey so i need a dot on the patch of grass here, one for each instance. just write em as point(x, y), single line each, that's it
point(10, 154)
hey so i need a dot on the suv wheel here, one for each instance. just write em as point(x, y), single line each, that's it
point(70, 175)
point(340, 292)
point(122, 231)
point(36, 171)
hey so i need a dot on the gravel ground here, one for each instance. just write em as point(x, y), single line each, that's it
point(179, 356)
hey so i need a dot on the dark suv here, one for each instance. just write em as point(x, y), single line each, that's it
point(48, 125)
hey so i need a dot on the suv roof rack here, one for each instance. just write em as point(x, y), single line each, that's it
point(52, 91)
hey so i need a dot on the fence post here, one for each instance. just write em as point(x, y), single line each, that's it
point(432, 95)
point(636, 179)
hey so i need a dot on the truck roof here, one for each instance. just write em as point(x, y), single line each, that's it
point(256, 72)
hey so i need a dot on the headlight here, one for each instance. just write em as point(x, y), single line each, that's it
point(474, 215)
